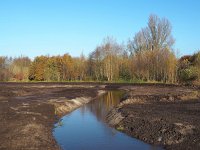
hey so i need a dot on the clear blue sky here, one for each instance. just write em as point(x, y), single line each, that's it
point(40, 27)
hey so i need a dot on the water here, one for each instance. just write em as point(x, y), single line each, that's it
point(85, 128)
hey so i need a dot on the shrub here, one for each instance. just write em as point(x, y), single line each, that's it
point(189, 74)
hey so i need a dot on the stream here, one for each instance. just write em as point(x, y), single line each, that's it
point(85, 128)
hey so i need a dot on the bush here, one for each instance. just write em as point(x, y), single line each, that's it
point(189, 74)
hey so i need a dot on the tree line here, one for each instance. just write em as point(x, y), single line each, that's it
point(148, 56)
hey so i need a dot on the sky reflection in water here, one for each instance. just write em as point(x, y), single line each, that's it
point(85, 128)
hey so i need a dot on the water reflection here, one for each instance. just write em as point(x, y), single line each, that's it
point(105, 103)
point(84, 128)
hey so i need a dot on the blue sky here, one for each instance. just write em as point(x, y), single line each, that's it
point(40, 27)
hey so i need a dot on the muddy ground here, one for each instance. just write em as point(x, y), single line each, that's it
point(165, 116)
point(28, 112)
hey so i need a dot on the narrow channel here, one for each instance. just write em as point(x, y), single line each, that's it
point(85, 128)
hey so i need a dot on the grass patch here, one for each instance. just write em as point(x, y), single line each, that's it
point(120, 128)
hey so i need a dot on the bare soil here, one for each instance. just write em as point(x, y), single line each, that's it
point(168, 116)
point(28, 112)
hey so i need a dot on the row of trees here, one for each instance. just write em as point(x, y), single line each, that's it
point(148, 56)
point(58, 68)
point(152, 52)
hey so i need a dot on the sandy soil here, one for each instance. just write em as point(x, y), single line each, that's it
point(161, 115)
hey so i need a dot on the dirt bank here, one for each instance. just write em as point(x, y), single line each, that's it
point(160, 115)
point(28, 111)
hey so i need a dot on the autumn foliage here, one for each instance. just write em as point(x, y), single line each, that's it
point(147, 57)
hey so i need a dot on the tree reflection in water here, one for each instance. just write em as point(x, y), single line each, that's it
point(103, 104)
point(85, 128)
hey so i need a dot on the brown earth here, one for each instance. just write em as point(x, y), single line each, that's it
point(28, 111)
point(168, 116)
point(157, 114)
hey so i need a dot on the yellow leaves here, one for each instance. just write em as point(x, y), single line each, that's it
point(157, 65)
point(57, 68)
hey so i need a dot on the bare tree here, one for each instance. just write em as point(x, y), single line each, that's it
point(160, 33)
point(151, 48)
